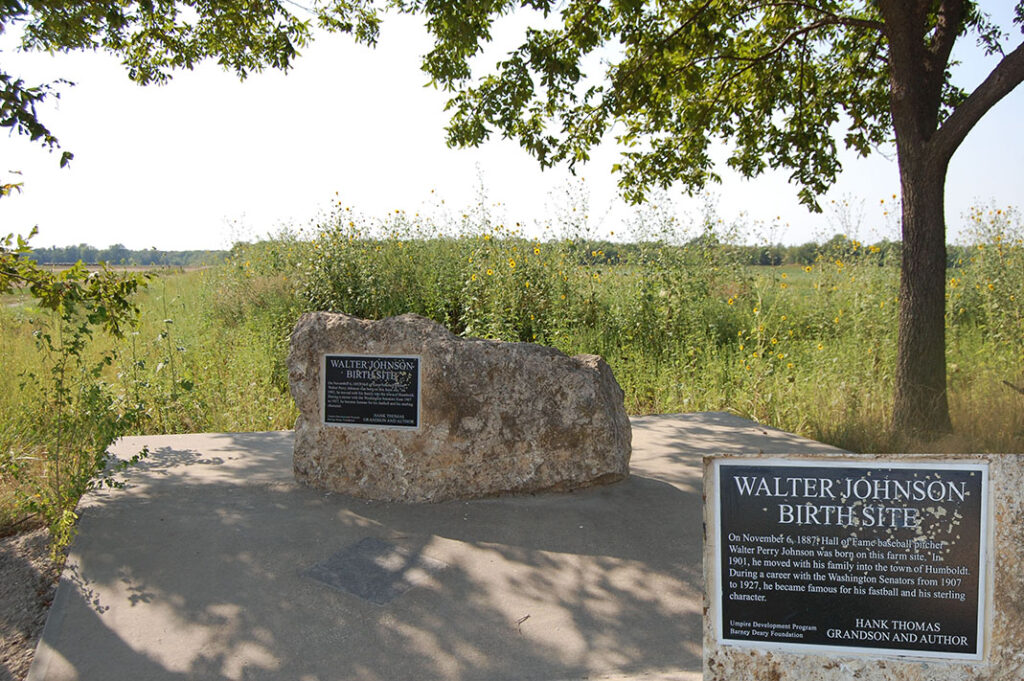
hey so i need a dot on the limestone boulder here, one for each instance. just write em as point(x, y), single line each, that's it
point(493, 417)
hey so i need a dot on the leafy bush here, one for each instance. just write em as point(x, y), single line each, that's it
point(58, 447)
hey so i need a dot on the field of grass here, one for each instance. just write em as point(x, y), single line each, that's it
point(686, 327)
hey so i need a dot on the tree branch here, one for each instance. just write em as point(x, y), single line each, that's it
point(793, 35)
point(750, 62)
point(947, 28)
point(831, 20)
point(835, 18)
point(1007, 75)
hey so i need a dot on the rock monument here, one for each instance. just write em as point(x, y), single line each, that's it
point(403, 410)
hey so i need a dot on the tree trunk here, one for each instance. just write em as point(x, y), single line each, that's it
point(920, 406)
point(917, 64)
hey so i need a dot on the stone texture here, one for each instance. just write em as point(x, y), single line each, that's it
point(1004, 654)
point(494, 417)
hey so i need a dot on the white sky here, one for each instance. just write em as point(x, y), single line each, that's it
point(208, 160)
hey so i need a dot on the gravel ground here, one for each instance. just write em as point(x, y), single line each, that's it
point(27, 584)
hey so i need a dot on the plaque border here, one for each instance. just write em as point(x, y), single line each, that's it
point(322, 391)
point(984, 559)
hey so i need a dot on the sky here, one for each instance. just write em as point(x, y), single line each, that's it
point(208, 160)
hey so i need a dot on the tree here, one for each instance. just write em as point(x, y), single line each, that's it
point(776, 80)
point(117, 254)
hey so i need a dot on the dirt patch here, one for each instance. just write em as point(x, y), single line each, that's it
point(28, 581)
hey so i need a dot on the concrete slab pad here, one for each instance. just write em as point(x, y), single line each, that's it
point(200, 569)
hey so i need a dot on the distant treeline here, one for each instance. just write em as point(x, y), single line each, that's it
point(883, 253)
point(118, 254)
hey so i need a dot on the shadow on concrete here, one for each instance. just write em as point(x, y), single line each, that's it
point(258, 454)
point(676, 443)
point(197, 572)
